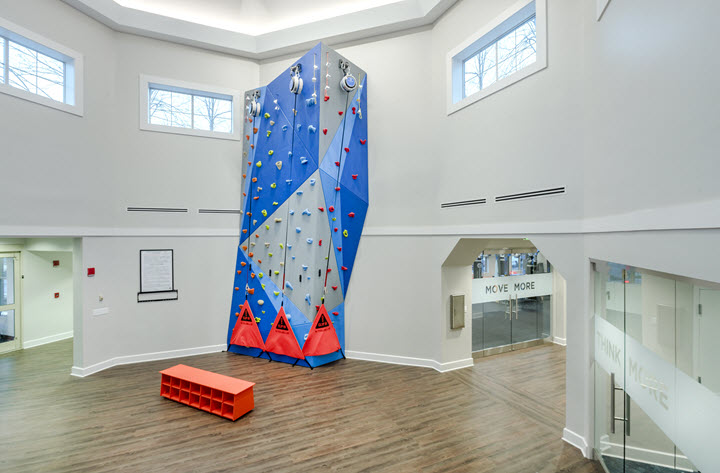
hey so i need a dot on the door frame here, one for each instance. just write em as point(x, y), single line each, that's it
point(16, 344)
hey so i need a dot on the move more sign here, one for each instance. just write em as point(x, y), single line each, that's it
point(502, 288)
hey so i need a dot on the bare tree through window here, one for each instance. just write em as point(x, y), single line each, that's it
point(185, 110)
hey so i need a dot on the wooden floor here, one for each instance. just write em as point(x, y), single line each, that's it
point(504, 415)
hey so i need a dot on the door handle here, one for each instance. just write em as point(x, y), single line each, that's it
point(517, 311)
point(613, 418)
point(627, 415)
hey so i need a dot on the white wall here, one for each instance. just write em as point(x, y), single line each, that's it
point(46, 319)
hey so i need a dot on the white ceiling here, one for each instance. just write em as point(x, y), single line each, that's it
point(261, 29)
point(253, 17)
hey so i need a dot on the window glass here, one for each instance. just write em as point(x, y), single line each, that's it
point(187, 110)
point(35, 72)
point(212, 114)
point(2, 60)
point(509, 54)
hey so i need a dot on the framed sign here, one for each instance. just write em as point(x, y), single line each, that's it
point(157, 278)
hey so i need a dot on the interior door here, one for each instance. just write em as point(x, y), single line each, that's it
point(9, 302)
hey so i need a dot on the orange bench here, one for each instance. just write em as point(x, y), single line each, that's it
point(221, 395)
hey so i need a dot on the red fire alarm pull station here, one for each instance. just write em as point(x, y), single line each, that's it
point(57, 295)
point(56, 262)
point(91, 271)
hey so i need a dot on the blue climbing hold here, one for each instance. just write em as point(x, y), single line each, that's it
point(309, 240)
point(297, 230)
point(312, 182)
point(304, 267)
point(288, 285)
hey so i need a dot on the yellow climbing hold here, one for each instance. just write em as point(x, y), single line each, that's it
point(260, 275)
point(267, 115)
point(345, 233)
point(257, 320)
point(273, 185)
point(281, 246)
point(268, 133)
point(267, 227)
point(270, 255)
point(259, 164)
point(275, 203)
point(264, 213)
point(276, 273)
point(270, 153)
point(277, 293)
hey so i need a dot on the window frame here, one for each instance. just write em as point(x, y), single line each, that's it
point(173, 85)
point(492, 32)
point(74, 68)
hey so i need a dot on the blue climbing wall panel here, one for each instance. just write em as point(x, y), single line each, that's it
point(305, 198)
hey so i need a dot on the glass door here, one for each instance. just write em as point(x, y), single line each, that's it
point(652, 412)
point(9, 305)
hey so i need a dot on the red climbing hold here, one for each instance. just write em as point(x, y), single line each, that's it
point(259, 262)
point(247, 137)
point(336, 313)
point(354, 176)
point(340, 112)
point(334, 288)
point(337, 163)
point(347, 150)
point(337, 189)
point(329, 269)
point(324, 131)
point(351, 214)
point(339, 248)
point(255, 130)
point(335, 228)
point(321, 209)
point(317, 308)
point(362, 142)
point(319, 242)
point(343, 268)
point(353, 110)
point(331, 209)
point(327, 98)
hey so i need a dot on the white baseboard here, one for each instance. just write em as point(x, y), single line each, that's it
point(45, 340)
point(161, 355)
point(577, 441)
point(559, 341)
point(409, 361)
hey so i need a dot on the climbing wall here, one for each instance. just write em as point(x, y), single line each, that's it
point(305, 197)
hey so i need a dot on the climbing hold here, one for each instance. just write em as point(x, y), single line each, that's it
point(319, 242)
point(362, 142)
point(307, 298)
point(329, 269)
point(260, 302)
point(278, 164)
point(334, 288)
point(250, 255)
point(252, 275)
point(335, 229)
point(291, 212)
point(341, 267)
point(337, 163)
point(254, 179)
point(237, 288)
point(272, 122)
point(277, 293)
point(321, 209)
point(326, 98)
point(267, 244)
point(288, 285)
point(354, 176)
point(334, 218)
point(276, 272)
point(273, 185)
point(309, 240)
point(267, 227)
point(260, 275)
point(264, 213)
point(299, 127)
point(289, 246)
point(324, 131)
point(239, 271)
point(263, 286)
point(340, 112)
point(299, 192)
point(281, 246)
point(278, 220)
point(255, 130)
point(247, 137)
point(304, 267)
point(331, 209)
point(297, 230)
point(257, 319)
point(345, 233)
point(347, 150)
point(337, 189)
point(270, 153)
point(244, 248)
point(311, 129)
point(351, 214)
point(336, 313)
point(251, 291)
point(268, 133)
point(267, 115)
point(275, 203)
point(353, 110)
point(303, 160)
point(312, 182)
point(284, 128)
point(339, 248)
point(288, 181)
point(243, 263)
point(256, 198)
point(306, 212)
